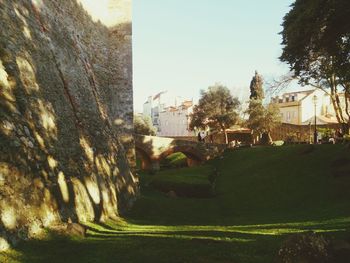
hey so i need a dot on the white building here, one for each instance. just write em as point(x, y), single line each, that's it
point(147, 107)
point(152, 108)
point(299, 108)
point(174, 120)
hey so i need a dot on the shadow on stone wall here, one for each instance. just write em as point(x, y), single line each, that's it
point(60, 156)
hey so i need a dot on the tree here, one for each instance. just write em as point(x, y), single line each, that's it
point(256, 87)
point(261, 120)
point(316, 40)
point(143, 125)
point(216, 109)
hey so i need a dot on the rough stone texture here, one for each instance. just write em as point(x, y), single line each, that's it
point(306, 247)
point(76, 229)
point(65, 114)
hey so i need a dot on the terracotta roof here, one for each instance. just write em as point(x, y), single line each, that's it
point(187, 104)
point(171, 109)
point(236, 130)
point(239, 130)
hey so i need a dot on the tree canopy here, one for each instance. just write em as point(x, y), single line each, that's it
point(316, 45)
point(261, 120)
point(317, 31)
point(216, 109)
point(256, 87)
point(143, 125)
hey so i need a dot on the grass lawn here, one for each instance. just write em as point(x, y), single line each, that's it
point(263, 195)
point(174, 160)
point(186, 182)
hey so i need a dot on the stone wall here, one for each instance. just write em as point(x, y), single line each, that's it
point(65, 113)
point(152, 150)
point(300, 133)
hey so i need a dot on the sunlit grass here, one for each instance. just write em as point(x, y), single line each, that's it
point(244, 242)
point(335, 225)
point(174, 160)
point(261, 199)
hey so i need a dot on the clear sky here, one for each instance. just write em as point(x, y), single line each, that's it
point(183, 46)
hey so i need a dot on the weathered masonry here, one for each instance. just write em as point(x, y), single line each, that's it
point(153, 149)
point(65, 113)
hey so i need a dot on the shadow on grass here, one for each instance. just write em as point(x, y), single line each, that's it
point(246, 222)
point(126, 242)
point(136, 248)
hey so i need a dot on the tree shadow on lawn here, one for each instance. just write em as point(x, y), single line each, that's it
point(141, 247)
point(127, 242)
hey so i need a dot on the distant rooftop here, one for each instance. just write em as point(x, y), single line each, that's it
point(290, 97)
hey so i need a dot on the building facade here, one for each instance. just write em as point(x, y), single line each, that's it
point(298, 108)
point(175, 120)
point(298, 111)
point(151, 109)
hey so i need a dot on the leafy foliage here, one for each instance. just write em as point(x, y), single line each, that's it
point(316, 40)
point(143, 125)
point(316, 37)
point(256, 87)
point(216, 109)
point(261, 119)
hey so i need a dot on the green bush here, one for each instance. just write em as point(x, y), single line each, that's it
point(326, 133)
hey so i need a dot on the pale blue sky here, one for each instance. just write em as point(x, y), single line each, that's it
point(183, 46)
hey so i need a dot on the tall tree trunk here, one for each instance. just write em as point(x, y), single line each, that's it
point(347, 108)
point(336, 104)
point(269, 138)
point(223, 128)
point(226, 138)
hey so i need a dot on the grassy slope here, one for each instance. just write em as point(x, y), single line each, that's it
point(263, 195)
point(185, 182)
point(174, 160)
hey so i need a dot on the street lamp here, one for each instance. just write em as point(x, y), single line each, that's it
point(310, 138)
point(314, 100)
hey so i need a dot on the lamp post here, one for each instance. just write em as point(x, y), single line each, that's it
point(310, 138)
point(314, 100)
